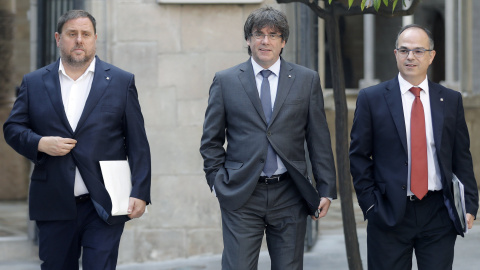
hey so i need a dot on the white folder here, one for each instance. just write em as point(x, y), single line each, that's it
point(459, 198)
point(118, 182)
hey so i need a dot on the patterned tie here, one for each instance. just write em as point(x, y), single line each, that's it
point(271, 162)
point(418, 146)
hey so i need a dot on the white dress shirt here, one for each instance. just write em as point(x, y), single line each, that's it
point(273, 81)
point(74, 96)
point(434, 181)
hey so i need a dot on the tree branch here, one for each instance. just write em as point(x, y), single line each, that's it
point(320, 12)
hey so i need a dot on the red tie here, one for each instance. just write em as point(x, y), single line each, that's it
point(418, 146)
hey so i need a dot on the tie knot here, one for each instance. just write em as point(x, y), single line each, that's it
point(266, 73)
point(416, 91)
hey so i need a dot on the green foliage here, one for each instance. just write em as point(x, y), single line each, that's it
point(376, 3)
point(362, 5)
point(395, 4)
point(350, 2)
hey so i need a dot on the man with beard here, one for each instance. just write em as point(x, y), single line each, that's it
point(69, 116)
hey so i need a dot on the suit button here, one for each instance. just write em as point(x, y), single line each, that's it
point(269, 133)
point(72, 168)
point(404, 187)
point(406, 163)
point(262, 160)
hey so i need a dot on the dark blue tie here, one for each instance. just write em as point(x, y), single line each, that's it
point(271, 162)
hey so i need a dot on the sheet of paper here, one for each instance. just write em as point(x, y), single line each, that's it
point(117, 178)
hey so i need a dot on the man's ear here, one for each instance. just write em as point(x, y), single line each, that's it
point(432, 55)
point(57, 38)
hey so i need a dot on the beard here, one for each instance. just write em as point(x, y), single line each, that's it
point(76, 60)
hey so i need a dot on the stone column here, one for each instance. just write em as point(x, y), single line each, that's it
point(368, 52)
point(13, 167)
point(466, 72)
point(406, 20)
point(476, 49)
point(451, 51)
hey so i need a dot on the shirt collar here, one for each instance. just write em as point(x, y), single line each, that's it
point(405, 85)
point(91, 68)
point(275, 68)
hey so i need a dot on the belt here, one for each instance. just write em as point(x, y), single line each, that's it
point(82, 198)
point(273, 179)
point(430, 193)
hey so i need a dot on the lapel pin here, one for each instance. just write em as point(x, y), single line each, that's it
point(289, 76)
point(108, 78)
point(441, 99)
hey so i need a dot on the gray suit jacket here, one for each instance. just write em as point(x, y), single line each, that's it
point(235, 113)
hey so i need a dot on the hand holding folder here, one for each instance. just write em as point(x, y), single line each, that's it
point(118, 182)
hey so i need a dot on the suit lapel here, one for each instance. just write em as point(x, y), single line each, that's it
point(394, 100)
point(52, 85)
point(285, 81)
point(101, 79)
point(437, 109)
point(247, 78)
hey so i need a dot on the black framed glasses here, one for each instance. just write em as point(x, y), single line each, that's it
point(260, 36)
point(418, 52)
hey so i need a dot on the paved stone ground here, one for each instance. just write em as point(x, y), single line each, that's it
point(328, 253)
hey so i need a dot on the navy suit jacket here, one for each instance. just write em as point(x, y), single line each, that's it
point(379, 154)
point(111, 127)
point(234, 114)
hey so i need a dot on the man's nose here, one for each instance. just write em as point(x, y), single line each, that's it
point(265, 39)
point(410, 55)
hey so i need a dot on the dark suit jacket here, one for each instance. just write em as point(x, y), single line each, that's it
point(379, 154)
point(111, 128)
point(235, 112)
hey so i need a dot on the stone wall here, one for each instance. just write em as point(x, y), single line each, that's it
point(13, 39)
